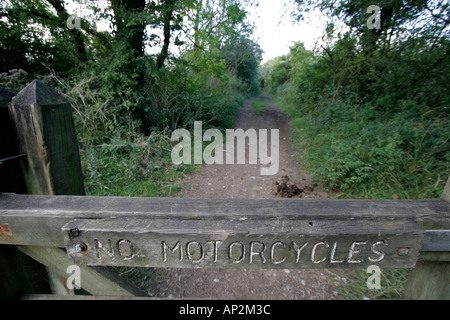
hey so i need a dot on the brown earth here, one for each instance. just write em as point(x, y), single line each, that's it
point(246, 181)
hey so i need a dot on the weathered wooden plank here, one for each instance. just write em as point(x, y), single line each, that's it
point(37, 220)
point(434, 256)
point(437, 241)
point(247, 243)
point(58, 284)
point(430, 214)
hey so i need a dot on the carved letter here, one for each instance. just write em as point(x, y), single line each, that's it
point(190, 254)
point(381, 254)
point(230, 252)
point(313, 253)
point(353, 251)
point(260, 253)
point(176, 247)
point(109, 250)
point(272, 253)
point(333, 253)
point(215, 243)
point(125, 249)
point(299, 250)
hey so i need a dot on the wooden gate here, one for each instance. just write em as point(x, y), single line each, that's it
point(45, 214)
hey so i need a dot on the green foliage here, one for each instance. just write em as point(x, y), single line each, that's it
point(370, 112)
point(124, 155)
point(242, 57)
point(211, 23)
point(190, 93)
point(279, 74)
point(127, 101)
point(122, 168)
point(364, 155)
point(22, 44)
point(392, 285)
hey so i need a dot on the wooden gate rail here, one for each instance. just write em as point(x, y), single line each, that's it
point(188, 233)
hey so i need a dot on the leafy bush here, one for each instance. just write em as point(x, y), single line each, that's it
point(184, 95)
point(122, 168)
point(357, 151)
point(124, 133)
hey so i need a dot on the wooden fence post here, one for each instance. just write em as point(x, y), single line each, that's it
point(430, 280)
point(20, 269)
point(46, 133)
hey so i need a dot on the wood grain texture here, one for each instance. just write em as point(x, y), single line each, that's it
point(46, 134)
point(239, 244)
point(429, 214)
point(45, 220)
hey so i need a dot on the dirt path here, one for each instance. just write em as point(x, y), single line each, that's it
point(245, 181)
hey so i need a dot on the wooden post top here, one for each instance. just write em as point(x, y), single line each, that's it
point(37, 92)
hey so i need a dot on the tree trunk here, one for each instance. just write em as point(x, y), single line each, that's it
point(130, 34)
point(167, 13)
